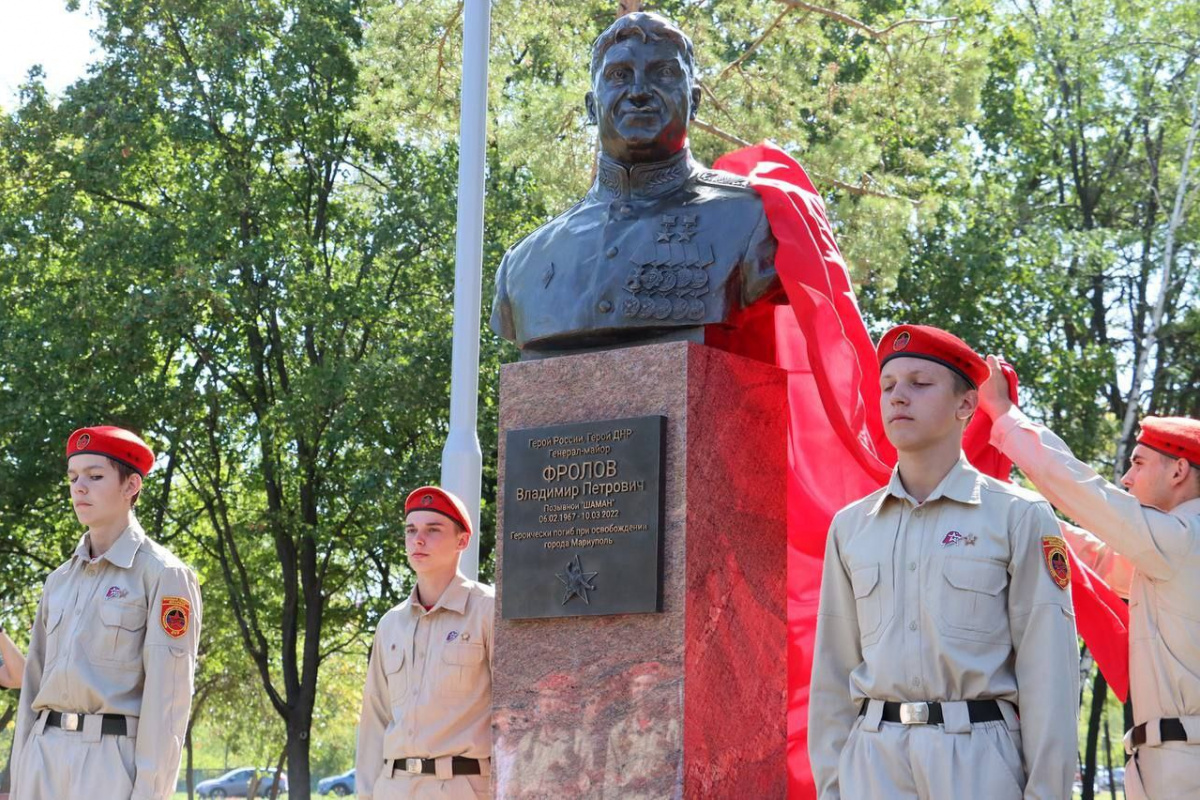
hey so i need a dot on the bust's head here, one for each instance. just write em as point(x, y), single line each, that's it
point(643, 91)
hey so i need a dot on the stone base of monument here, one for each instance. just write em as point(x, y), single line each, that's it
point(691, 700)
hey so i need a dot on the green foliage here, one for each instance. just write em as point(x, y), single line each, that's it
point(236, 233)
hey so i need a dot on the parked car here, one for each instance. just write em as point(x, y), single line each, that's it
point(340, 785)
point(236, 783)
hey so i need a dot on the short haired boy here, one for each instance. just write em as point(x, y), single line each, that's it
point(944, 610)
point(108, 678)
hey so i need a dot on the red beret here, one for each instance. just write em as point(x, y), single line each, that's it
point(431, 498)
point(116, 443)
point(933, 344)
point(1177, 437)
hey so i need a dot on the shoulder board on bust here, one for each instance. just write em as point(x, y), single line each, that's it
point(718, 177)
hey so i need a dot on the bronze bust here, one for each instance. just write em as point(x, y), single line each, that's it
point(660, 247)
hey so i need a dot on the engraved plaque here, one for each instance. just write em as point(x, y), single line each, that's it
point(582, 515)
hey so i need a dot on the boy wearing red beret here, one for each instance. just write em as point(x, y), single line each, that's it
point(108, 680)
point(426, 725)
point(1147, 546)
point(946, 662)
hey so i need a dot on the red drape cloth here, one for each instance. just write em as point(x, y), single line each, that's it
point(837, 450)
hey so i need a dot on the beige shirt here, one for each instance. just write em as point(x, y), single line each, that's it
point(429, 682)
point(101, 645)
point(1163, 548)
point(946, 600)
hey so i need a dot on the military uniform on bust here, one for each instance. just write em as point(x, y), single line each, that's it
point(653, 252)
point(660, 247)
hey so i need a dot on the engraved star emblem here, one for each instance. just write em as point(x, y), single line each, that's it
point(664, 236)
point(577, 581)
point(686, 235)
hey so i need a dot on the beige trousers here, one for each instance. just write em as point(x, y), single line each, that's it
point(1169, 771)
point(922, 761)
point(430, 787)
point(75, 765)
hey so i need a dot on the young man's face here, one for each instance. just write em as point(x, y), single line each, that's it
point(98, 494)
point(921, 405)
point(433, 542)
point(1148, 477)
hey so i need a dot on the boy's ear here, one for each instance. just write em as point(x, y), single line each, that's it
point(133, 485)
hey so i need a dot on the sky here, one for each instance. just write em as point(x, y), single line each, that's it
point(43, 32)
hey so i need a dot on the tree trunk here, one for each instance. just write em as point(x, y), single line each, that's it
point(297, 757)
point(191, 772)
point(279, 771)
point(1112, 787)
point(1099, 693)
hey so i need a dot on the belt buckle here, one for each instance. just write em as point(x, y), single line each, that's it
point(413, 766)
point(70, 722)
point(914, 713)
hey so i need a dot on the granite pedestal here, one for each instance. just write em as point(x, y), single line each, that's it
point(690, 701)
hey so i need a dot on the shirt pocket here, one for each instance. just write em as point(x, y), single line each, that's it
point(117, 642)
point(868, 601)
point(463, 665)
point(973, 602)
point(54, 633)
point(395, 673)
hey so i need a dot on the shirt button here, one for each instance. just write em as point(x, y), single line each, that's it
point(912, 566)
point(912, 626)
point(604, 306)
point(611, 252)
point(916, 681)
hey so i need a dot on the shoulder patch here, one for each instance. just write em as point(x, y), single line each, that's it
point(176, 616)
point(1054, 549)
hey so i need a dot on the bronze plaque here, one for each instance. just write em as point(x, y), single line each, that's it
point(583, 508)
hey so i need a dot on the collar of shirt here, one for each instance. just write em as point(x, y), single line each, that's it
point(961, 484)
point(1189, 509)
point(121, 553)
point(649, 180)
point(454, 598)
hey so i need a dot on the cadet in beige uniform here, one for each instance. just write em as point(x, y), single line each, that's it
point(946, 662)
point(1152, 533)
point(108, 679)
point(425, 729)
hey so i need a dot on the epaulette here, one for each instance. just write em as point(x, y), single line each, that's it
point(718, 177)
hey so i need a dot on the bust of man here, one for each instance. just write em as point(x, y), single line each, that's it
point(660, 247)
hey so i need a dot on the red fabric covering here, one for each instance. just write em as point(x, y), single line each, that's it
point(837, 450)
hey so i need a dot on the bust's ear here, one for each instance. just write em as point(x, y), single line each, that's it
point(695, 101)
point(589, 102)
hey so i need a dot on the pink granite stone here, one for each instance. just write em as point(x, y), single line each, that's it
point(692, 701)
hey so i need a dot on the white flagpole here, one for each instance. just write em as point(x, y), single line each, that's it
point(462, 459)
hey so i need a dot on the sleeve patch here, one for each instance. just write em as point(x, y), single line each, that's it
point(176, 616)
point(1054, 548)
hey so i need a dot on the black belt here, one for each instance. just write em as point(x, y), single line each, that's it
point(931, 713)
point(1169, 729)
point(111, 725)
point(428, 766)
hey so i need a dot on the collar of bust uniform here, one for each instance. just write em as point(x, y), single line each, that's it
point(643, 180)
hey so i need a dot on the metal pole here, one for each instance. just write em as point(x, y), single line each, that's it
point(462, 459)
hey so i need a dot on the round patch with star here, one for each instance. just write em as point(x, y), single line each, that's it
point(176, 616)
point(901, 341)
